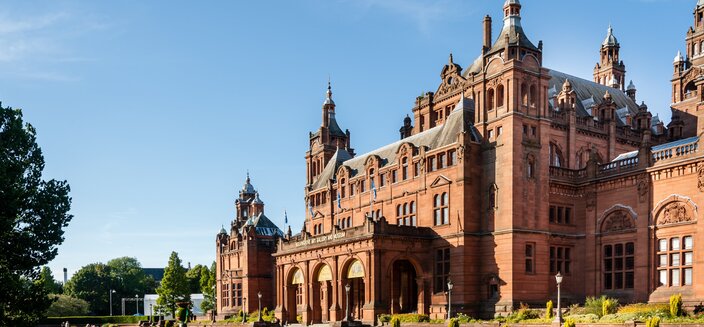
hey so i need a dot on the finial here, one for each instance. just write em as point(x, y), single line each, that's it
point(450, 60)
point(247, 175)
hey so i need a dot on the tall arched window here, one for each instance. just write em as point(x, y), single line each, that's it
point(404, 169)
point(533, 96)
point(500, 96)
point(524, 94)
point(490, 99)
point(342, 188)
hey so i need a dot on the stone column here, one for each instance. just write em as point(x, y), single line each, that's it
point(421, 295)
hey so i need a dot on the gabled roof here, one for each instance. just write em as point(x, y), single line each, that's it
point(459, 120)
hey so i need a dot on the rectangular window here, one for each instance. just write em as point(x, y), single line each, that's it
point(530, 258)
point(382, 179)
point(393, 176)
point(416, 169)
point(441, 161)
point(499, 130)
point(533, 130)
point(238, 294)
point(568, 215)
point(442, 270)
point(553, 213)
point(675, 259)
point(560, 259)
point(525, 129)
point(559, 214)
point(431, 163)
point(452, 158)
point(491, 134)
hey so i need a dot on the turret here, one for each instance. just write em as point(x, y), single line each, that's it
point(610, 70)
point(631, 91)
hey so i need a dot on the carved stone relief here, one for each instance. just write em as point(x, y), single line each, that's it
point(673, 213)
point(617, 221)
point(700, 176)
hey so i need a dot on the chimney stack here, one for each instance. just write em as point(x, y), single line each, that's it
point(487, 32)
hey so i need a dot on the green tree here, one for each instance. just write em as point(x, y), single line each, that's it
point(207, 281)
point(92, 283)
point(65, 305)
point(193, 276)
point(174, 286)
point(33, 214)
point(129, 278)
point(46, 280)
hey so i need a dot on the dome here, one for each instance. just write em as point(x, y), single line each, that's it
point(516, 2)
point(631, 87)
point(247, 188)
point(610, 39)
point(222, 230)
point(678, 57)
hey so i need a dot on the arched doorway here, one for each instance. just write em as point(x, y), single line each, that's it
point(355, 279)
point(322, 290)
point(294, 298)
point(404, 287)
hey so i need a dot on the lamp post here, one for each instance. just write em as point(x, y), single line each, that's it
point(449, 298)
point(244, 310)
point(136, 301)
point(259, 295)
point(111, 293)
point(347, 307)
point(558, 317)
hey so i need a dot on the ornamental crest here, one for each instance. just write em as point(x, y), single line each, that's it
point(642, 188)
point(673, 213)
point(617, 221)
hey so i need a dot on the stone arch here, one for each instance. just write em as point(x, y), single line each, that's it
point(406, 256)
point(618, 218)
point(494, 65)
point(676, 208)
point(322, 292)
point(531, 62)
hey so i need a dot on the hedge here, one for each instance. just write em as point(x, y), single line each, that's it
point(97, 320)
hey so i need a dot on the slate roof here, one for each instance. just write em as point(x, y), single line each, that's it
point(459, 120)
point(591, 94)
point(263, 226)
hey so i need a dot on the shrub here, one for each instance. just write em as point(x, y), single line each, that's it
point(653, 322)
point(299, 318)
point(94, 320)
point(548, 309)
point(585, 318)
point(463, 318)
point(169, 323)
point(608, 306)
point(523, 313)
point(453, 323)
point(569, 323)
point(395, 322)
point(384, 317)
point(675, 305)
point(412, 317)
point(699, 308)
point(595, 305)
point(645, 309)
point(181, 314)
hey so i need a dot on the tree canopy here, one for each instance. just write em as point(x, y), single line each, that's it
point(207, 281)
point(33, 214)
point(92, 283)
point(46, 279)
point(174, 286)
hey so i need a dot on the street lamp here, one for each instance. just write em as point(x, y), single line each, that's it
point(259, 295)
point(558, 317)
point(244, 308)
point(449, 298)
point(347, 307)
point(111, 293)
point(136, 301)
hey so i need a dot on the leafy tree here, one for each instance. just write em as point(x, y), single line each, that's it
point(46, 280)
point(207, 281)
point(65, 305)
point(33, 214)
point(129, 278)
point(174, 286)
point(193, 276)
point(92, 283)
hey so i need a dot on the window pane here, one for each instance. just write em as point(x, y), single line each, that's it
point(529, 250)
point(675, 259)
point(662, 262)
point(608, 265)
point(675, 243)
point(674, 277)
point(629, 280)
point(687, 276)
point(618, 263)
point(630, 248)
point(618, 280)
point(607, 251)
point(618, 249)
point(688, 242)
point(687, 259)
point(629, 263)
point(608, 284)
point(662, 246)
point(662, 279)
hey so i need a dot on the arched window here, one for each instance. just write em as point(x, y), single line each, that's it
point(342, 188)
point(556, 158)
point(500, 96)
point(372, 185)
point(533, 96)
point(524, 94)
point(349, 222)
point(404, 169)
point(490, 99)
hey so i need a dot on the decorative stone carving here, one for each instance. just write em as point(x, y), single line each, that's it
point(460, 153)
point(673, 213)
point(642, 188)
point(617, 221)
point(700, 176)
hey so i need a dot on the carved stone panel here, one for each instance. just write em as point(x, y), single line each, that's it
point(675, 212)
point(700, 176)
point(617, 221)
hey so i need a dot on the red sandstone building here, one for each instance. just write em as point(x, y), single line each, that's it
point(508, 174)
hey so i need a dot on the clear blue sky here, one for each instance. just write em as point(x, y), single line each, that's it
point(153, 111)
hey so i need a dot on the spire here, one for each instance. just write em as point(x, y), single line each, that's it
point(678, 57)
point(631, 86)
point(610, 39)
point(247, 188)
point(328, 98)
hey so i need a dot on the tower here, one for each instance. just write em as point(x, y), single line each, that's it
point(687, 82)
point(610, 70)
point(326, 140)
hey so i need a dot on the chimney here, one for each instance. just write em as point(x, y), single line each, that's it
point(65, 275)
point(487, 32)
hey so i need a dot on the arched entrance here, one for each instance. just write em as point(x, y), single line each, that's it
point(355, 279)
point(322, 290)
point(404, 287)
point(294, 296)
